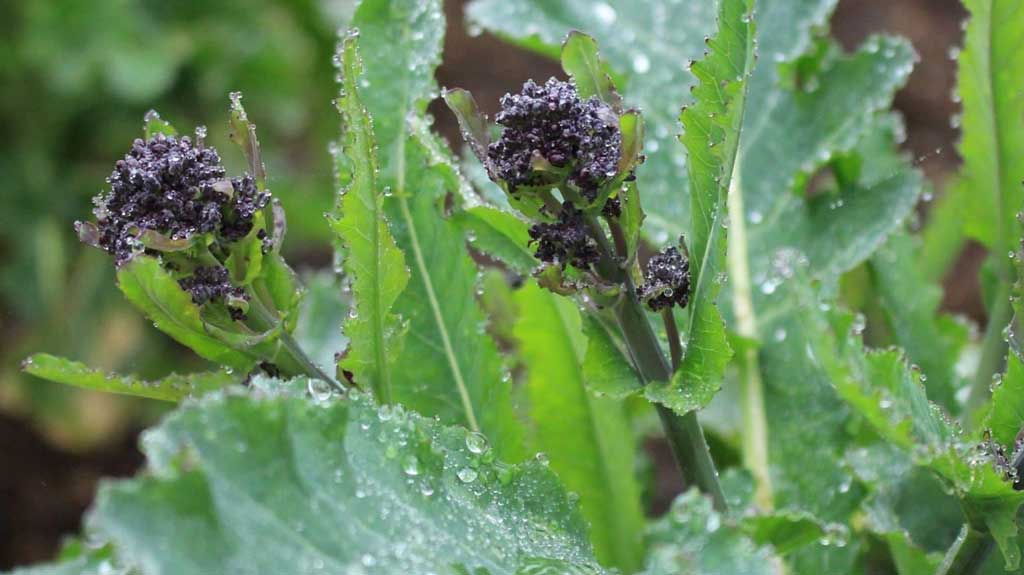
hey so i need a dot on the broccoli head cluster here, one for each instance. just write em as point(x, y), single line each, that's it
point(565, 241)
point(667, 280)
point(213, 283)
point(551, 123)
point(176, 188)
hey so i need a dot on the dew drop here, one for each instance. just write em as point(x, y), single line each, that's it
point(411, 466)
point(476, 442)
point(319, 390)
point(467, 475)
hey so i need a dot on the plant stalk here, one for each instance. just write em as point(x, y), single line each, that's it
point(684, 433)
point(755, 430)
point(993, 351)
point(298, 358)
point(967, 554)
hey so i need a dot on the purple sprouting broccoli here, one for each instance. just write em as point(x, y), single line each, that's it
point(551, 125)
point(667, 280)
point(177, 189)
point(565, 241)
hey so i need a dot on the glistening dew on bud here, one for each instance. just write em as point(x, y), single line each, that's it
point(565, 241)
point(166, 192)
point(666, 280)
point(551, 136)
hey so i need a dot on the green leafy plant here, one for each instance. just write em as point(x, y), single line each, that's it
point(469, 393)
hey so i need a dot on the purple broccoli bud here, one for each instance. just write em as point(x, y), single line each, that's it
point(666, 281)
point(177, 189)
point(565, 241)
point(213, 283)
point(551, 124)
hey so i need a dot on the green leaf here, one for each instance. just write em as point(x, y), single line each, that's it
point(890, 396)
point(993, 139)
point(243, 134)
point(283, 485)
point(174, 387)
point(153, 124)
point(400, 42)
point(152, 289)
point(587, 439)
point(906, 507)
point(712, 139)
point(910, 303)
point(450, 368)
point(607, 370)
point(784, 530)
point(581, 60)
point(693, 538)
point(1005, 418)
point(839, 228)
point(472, 123)
point(374, 264)
point(499, 234)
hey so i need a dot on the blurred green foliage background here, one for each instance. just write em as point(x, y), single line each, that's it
point(78, 78)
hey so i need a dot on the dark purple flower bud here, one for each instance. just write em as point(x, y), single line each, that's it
point(177, 189)
point(565, 241)
point(667, 280)
point(551, 124)
point(213, 284)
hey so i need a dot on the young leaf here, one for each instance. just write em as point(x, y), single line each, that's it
point(712, 140)
point(472, 123)
point(499, 234)
point(1005, 418)
point(372, 260)
point(152, 289)
point(174, 387)
point(990, 86)
point(296, 486)
point(451, 368)
point(587, 439)
point(581, 60)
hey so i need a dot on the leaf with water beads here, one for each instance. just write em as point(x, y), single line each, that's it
point(716, 119)
point(170, 388)
point(373, 262)
point(289, 485)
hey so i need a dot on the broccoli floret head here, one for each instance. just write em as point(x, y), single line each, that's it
point(666, 280)
point(176, 188)
point(551, 124)
point(565, 241)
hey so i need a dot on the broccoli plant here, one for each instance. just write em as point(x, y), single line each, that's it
point(703, 235)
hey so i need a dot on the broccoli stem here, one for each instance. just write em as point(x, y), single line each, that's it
point(967, 554)
point(683, 432)
point(298, 362)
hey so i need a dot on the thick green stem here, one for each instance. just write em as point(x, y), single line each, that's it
point(675, 346)
point(993, 350)
point(967, 554)
point(295, 361)
point(684, 433)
